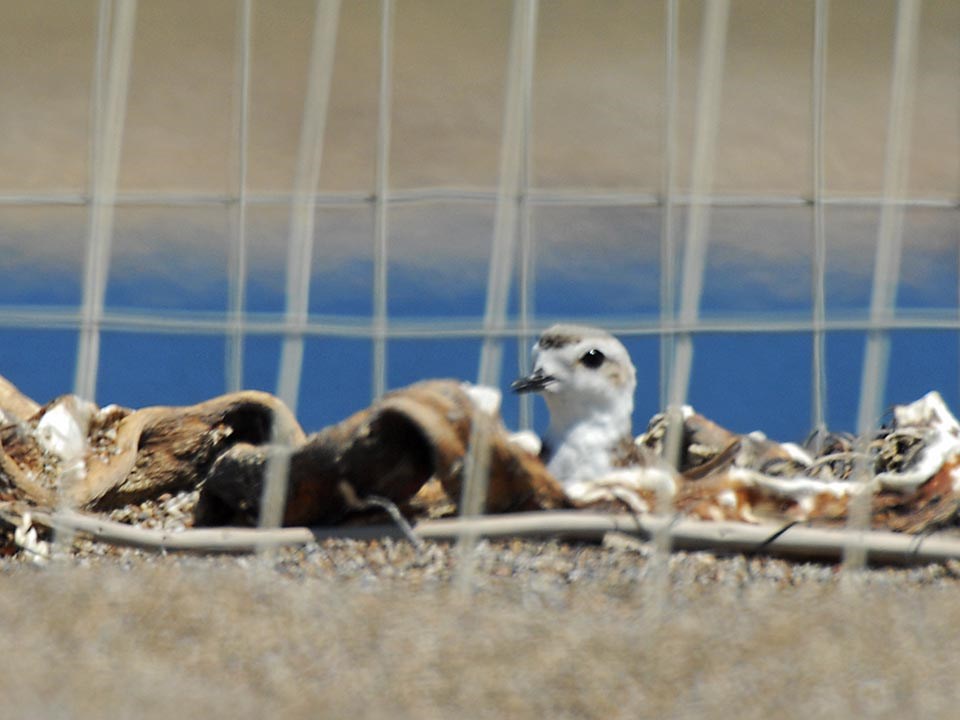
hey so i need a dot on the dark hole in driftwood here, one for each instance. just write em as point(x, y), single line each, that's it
point(389, 456)
point(393, 459)
point(252, 423)
point(231, 493)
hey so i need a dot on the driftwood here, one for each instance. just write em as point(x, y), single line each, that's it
point(127, 456)
point(14, 405)
point(168, 449)
point(390, 450)
point(15, 410)
point(19, 451)
point(409, 449)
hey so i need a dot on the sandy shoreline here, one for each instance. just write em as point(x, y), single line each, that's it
point(373, 629)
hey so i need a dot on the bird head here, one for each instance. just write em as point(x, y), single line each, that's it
point(581, 372)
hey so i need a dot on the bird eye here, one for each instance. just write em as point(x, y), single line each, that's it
point(593, 359)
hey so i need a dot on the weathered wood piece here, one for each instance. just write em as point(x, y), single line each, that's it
point(390, 450)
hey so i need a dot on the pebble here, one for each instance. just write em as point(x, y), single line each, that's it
point(550, 570)
point(166, 512)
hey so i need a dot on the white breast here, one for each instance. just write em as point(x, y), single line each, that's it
point(583, 451)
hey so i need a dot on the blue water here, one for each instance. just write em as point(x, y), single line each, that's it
point(589, 262)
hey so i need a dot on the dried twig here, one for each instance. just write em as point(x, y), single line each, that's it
point(794, 542)
point(846, 456)
point(232, 539)
point(371, 501)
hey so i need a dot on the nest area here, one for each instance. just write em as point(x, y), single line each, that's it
point(404, 461)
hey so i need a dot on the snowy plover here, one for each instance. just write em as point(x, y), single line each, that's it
point(587, 380)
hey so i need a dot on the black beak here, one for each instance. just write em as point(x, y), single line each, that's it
point(532, 383)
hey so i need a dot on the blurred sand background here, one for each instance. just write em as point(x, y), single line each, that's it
point(598, 107)
point(598, 100)
point(347, 629)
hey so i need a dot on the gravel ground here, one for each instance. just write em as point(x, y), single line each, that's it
point(377, 629)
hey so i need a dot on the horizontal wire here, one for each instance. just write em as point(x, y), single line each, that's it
point(360, 327)
point(541, 198)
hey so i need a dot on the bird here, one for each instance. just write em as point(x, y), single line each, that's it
point(587, 379)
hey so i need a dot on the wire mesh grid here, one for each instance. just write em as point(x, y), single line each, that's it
point(685, 210)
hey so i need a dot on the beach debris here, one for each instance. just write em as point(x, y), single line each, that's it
point(69, 452)
point(25, 536)
point(175, 468)
point(909, 469)
point(410, 448)
point(14, 405)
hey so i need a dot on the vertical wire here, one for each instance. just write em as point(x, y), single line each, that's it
point(237, 260)
point(710, 76)
point(303, 202)
point(380, 257)
point(889, 236)
point(519, 72)
point(300, 253)
point(96, 102)
point(886, 270)
point(712, 51)
point(505, 225)
point(527, 308)
point(668, 250)
point(527, 247)
point(818, 369)
point(112, 68)
point(64, 538)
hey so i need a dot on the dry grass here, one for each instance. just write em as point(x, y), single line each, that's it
point(134, 636)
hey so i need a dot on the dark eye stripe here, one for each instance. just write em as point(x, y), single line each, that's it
point(592, 359)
